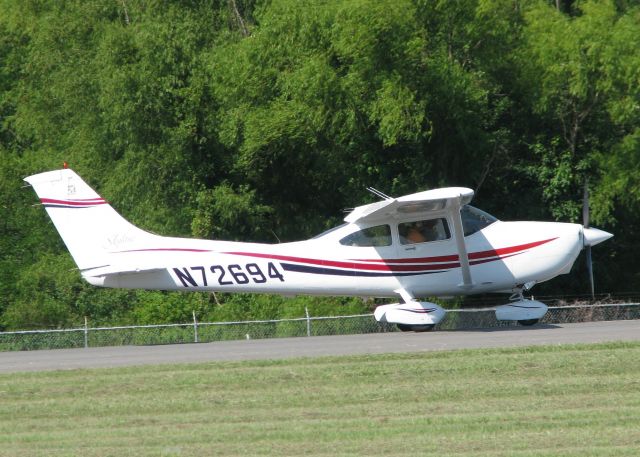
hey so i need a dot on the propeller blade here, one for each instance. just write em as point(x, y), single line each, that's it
point(585, 205)
point(590, 269)
point(588, 242)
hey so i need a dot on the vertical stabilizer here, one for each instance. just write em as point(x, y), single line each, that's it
point(88, 225)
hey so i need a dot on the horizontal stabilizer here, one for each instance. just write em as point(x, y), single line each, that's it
point(116, 270)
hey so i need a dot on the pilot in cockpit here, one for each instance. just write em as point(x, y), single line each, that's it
point(419, 231)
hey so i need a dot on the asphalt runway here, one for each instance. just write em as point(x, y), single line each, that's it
point(320, 346)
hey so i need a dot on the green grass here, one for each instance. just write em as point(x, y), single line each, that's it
point(569, 401)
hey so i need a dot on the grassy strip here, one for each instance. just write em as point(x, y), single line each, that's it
point(570, 401)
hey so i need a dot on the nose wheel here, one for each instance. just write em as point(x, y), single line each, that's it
point(518, 296)
point(524, 311)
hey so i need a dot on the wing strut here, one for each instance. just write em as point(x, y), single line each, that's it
point(458, 231)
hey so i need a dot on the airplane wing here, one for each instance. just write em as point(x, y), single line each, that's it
point(449, 199)
point(421, 202)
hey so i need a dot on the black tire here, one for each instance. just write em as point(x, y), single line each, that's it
point(415, 328)
point(529, 322)
point(423, 328)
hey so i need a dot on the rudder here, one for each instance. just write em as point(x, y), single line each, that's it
point(90, 228)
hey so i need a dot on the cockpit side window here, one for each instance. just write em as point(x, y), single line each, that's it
point(380, 235)
point(474, 219)
point(424, 231)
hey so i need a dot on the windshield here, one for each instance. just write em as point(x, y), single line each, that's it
point(331, 230)
point(380, 235)
point(474, 219)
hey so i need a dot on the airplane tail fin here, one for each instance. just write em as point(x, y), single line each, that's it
point(90, 228)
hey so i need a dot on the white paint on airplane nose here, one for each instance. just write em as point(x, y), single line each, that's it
point(593, 236)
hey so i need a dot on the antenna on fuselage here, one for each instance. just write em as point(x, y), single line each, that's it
point(377, 193)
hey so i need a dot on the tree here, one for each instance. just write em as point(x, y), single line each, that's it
point(239, 119)
point(581, 75)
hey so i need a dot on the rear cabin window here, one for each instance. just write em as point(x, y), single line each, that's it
point(424, 231)
point(474, 219)
point(380, 235)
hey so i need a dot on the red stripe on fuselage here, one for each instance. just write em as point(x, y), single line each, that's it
point(164, 250)
point(348, 264)
point(472, 256)
point(77, 202)
point(401, 265)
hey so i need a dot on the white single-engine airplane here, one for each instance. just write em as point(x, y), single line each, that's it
point(430, 243)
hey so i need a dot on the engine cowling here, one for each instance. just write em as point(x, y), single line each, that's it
point(521, 310)
point(410, 313)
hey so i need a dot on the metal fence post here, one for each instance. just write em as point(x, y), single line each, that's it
point(195, 328)
point(306, 311)
point(86, 332)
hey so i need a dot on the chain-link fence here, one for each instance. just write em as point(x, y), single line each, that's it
point(486, 318)
point(188, 333)
point(195, 332)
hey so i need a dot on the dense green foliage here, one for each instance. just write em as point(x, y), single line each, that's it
point(257, 119)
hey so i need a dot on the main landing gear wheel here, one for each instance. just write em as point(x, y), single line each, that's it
point(529, 322)
point(415, 328)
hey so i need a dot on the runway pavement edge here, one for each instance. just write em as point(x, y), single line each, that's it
point(320, 346)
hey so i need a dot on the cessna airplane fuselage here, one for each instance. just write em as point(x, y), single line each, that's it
point(427, 244)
